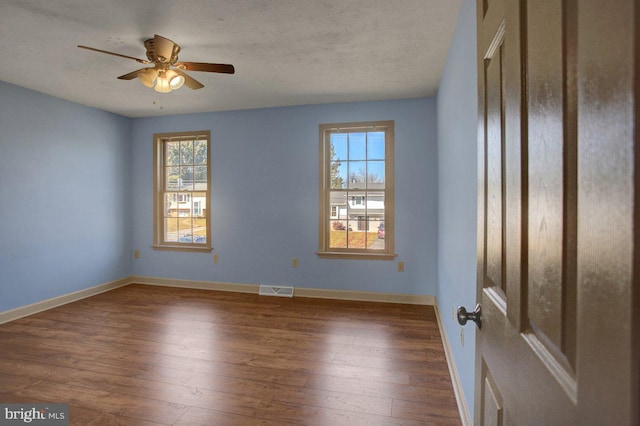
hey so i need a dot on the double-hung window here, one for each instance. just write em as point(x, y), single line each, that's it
point(182, 191)
point(356, 190)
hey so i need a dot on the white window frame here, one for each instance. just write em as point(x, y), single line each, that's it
point(325, 210)
point(159, 190)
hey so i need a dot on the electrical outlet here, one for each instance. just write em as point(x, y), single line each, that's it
point(400, 266)
point(215, 257)
point(136, 254)
point(294, 262)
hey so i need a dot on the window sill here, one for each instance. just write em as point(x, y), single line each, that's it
point(183, 248)
point(361, 256)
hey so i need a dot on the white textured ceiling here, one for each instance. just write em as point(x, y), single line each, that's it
point(286, 52)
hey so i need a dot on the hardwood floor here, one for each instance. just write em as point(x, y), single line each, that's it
point(143, 355)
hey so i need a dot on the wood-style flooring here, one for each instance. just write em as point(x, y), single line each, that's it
point(145, 355)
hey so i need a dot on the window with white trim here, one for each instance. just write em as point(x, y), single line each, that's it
point(182, 191)
point(356, 190)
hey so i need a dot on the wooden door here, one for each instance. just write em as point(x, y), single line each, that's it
point(558, 213)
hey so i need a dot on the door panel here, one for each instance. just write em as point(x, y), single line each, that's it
point(545, 105)
point(492, 403)
point(495, 146)
point(555, 185)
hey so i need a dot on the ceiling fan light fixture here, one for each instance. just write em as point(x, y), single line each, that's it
point(148, 77)
point(162, 83)
point(175, 80)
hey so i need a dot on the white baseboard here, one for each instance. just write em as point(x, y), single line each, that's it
point(200, 285)
point(365, 296)
point(362, 296)
point(463, 407)
point(34, 308)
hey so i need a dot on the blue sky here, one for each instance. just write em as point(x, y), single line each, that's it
point(358, 152)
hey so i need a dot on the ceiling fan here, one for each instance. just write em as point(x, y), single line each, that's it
point(167, 73)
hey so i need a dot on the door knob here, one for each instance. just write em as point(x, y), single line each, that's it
point(475, 316)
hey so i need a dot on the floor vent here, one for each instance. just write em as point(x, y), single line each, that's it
point(276, 290)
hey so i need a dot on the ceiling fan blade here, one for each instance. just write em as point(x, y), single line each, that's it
point(203, 66)
point(191, 82)
point(142, 61)
point(132, 74)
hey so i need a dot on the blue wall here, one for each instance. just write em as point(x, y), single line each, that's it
point(265, 198)
point(76, 191)
point(64, 174)
point(457, 193)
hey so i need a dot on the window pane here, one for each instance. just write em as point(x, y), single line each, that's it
point(185, 230)
point(338, 202)
point(186, 178)
point(200, 152)
point(338, 146)
point(171, 230)
point(199, 230)
point(186, 152)
point(356, 238)
point(337, 234)
point(170, 204)
point(375, 146)
point(199, 204)
point(375, 205)
point(357, 174)
point(357, 146)
point(375, 174)
point(338, 174)
point(357, 205)
point(200, 178)
point(172, 174)
point(183, 205)
point(375, 236)
point(172, 153)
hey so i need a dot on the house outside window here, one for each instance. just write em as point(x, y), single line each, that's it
point(356, 190)
point(182, 176)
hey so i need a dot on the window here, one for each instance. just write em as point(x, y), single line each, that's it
point(182, 177)
point(356, 190)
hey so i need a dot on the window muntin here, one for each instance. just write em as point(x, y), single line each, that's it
point(356, 190)
point(182, 191)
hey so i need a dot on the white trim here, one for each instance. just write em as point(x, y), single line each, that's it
point(201, 285)
point(463, 407)
point(34, 308)
point(365, 296)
